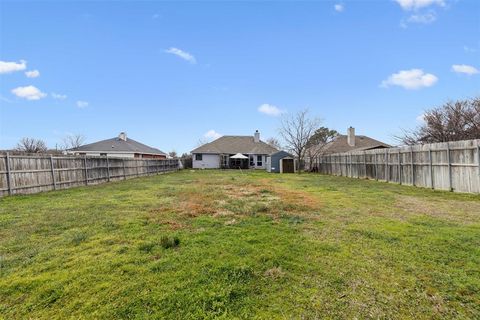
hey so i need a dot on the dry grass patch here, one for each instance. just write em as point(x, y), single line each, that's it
point(464, 212)
point(274, 273)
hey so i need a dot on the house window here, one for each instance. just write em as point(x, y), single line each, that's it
point(198, 157)
point(224, 161)
point(252, 161)
point(259, 161)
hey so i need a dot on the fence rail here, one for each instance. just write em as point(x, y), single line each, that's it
point(453, 166)
point(22, 174)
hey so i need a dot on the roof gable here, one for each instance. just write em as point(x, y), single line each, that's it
point(235, 144)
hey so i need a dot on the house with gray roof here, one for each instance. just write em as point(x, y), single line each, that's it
point(344, 143)
point(233, 152)
point(351, 142)
point(121, 147)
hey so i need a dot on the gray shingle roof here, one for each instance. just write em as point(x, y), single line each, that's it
point(340, 144)
point(235, 144)
point(119, 145)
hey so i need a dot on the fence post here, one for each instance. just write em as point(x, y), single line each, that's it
point(365, 163)
point(108, 168)
point(9, 174)
point(136, 167)
point(376, 165)
point(478, 160)
point(430, 164)
point(449, 168)
point(54, 180)
point(350, 165)
point(399, 166)
point(86, 169)
point(387, 173)
point(412, 166)
point(124, 174)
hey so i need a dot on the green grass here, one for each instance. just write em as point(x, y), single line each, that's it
point(212, 244)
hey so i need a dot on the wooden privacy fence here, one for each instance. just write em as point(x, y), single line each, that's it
point(453, 166)
point(21, 174)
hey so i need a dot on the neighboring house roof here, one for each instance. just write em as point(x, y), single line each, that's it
point(236, 144)
point(118, 145)
point(340, 144)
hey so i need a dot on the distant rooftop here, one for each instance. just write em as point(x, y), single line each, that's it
point(340, 144)
point(119, 144)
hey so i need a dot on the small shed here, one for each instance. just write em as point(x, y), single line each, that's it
point(281, 162)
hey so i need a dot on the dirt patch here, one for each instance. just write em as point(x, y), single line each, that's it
point(229, 200)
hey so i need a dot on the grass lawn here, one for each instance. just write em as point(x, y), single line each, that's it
point(252, 245)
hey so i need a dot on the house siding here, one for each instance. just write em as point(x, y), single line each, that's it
point(209, 161)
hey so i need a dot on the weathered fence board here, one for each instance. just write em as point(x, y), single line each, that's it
point(31, 174)
point(453, 166)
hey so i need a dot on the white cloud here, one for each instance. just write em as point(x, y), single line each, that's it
point(59, 96)
point(9, 67)
point(182, 54)
point(339, 7)
point(418, 4)
point(270, 110)
point(421, 118)
point(82, 104)
point(426, 18)
point(212, 134)
point(29, 93)
point(410, 79)
point(463, 68)
point(32, 73)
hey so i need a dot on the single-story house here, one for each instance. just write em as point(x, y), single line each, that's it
point(346, 143)
point(351, 142)
point(233, 152)
point(121, 147)
point(281, 162)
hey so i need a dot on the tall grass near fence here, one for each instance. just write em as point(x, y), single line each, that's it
point(22, 174)
point(453, 166)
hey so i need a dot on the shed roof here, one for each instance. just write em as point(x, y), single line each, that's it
point(119, 145)
point(282, 154)
point(236, 144)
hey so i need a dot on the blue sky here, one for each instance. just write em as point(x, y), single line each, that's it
point(167, 73)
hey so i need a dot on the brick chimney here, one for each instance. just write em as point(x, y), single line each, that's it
point(351, 136)
point(256, 137)
point(122, 136)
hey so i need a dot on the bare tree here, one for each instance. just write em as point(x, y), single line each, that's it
point(186, 160)
point(453, 121)
point(73, 141)
point(297, 130)
point(317, 143)
point(173, 154)
point(274, 143)
point(31, 145)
